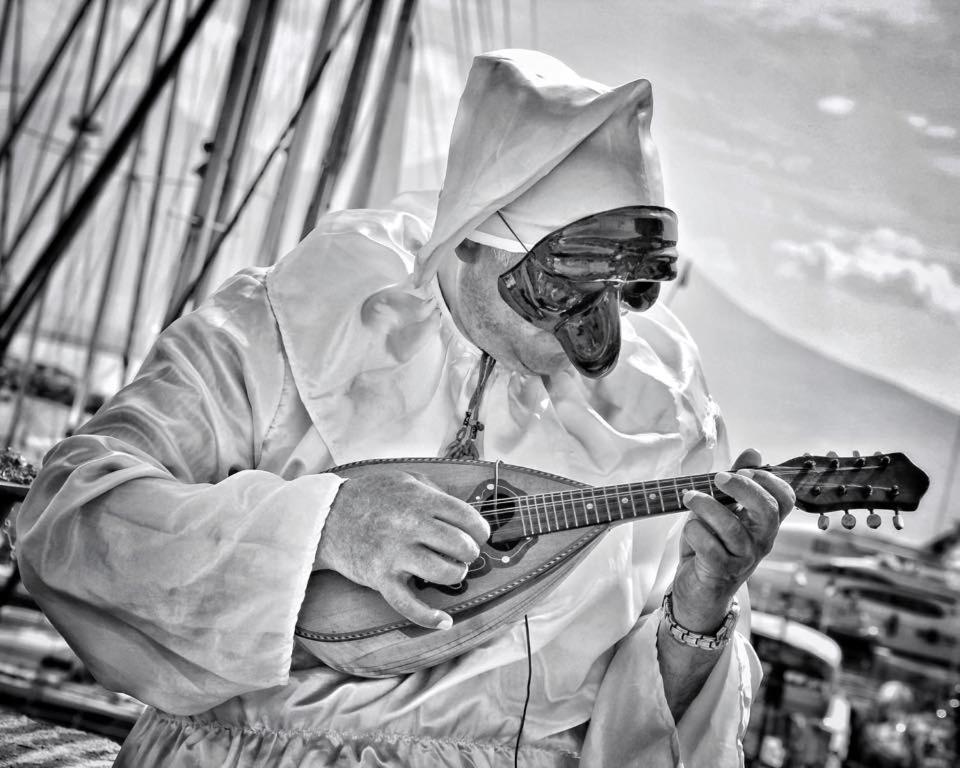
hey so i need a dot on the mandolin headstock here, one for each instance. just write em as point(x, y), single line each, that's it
point(832, 483)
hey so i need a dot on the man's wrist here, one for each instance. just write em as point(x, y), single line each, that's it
point(700, 610)
point(715, 637)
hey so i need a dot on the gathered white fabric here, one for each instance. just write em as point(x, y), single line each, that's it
point(172, 539)
point(544, 147)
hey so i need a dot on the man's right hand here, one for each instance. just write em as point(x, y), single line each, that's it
point(387, 527)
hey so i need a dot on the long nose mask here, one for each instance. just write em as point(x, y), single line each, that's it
point(576, 281)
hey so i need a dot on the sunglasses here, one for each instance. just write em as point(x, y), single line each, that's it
point(628, 250)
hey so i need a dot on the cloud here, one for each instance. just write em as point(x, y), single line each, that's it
point(836, 105)
point(922, 124)
point(761, 159)
point(947, 164)
point(882, 265)
point(849, 18)
point(940, 131)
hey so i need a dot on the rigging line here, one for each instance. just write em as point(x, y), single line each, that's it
point(457, 36)
point(80, 129)
point(297, 146)
point(150, 227)
point(7, 180)
point(239, 140)
point(419, 34)
point(83, 385)
point(483, 25)
point(30, 101)
point(86, 114)
point(432, 121)
point(177, 307)
point(48, 134)
point(467, 32)
point(397, 66)
point(12, 314)
point(506, 23)
point(71, 165)
point(339, 141)
point(230, 101)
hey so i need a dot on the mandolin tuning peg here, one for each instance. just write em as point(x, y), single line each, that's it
point(823, 522)
point(848, 521)
point(898, 521)
point(873, 520)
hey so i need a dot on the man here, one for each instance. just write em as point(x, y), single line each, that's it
point(172, 539)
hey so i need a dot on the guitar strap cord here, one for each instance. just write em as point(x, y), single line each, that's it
point(464, 445)
point(526, 701)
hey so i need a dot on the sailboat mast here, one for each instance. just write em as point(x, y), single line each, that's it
point(13, 312)
point(199, 230)
point(339, 142)
point(78, 408)
point(400, 44)
point(239, 144)
point(31, 99)
point(48, 190)
point(293, 162)
point(12, 7)
point(143, 263)
point(81, 125)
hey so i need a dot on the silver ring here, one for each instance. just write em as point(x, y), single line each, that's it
point(738, 508)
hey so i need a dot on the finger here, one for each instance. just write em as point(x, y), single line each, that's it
point(461, 515)
point(430, 566)
point(749, 458)
point(756, 508)
point(777, 487)
point(450, 541)
point(758, 503)
point(726, 527)
point(711, 554)
point(400, 597)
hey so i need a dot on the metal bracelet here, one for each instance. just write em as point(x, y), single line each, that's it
point(695, 639)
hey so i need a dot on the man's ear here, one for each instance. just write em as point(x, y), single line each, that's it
point(468, 251)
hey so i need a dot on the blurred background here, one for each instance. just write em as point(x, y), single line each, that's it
point(150, 148)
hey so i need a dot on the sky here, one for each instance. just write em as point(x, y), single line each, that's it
point(811, 150)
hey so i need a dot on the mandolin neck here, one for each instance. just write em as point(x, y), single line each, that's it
point(582, 507)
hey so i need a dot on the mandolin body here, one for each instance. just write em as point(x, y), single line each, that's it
point(352, 628)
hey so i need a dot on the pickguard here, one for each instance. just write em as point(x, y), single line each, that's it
point(496, 501)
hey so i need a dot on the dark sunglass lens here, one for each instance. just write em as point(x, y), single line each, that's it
point(640, 296)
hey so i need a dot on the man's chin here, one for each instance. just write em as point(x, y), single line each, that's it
point(550, 367)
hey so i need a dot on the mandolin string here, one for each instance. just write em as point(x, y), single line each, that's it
point(606, 493)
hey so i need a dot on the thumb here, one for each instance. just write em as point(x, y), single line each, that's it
point(749, 458)
point(401, 598)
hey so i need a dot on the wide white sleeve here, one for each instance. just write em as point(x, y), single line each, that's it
point(171, 565)
point(632, 725)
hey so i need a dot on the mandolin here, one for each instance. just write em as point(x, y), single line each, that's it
point(542, 526)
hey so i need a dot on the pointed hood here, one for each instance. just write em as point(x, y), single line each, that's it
point(533, 135)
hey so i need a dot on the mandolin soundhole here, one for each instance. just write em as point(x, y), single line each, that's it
point(498, 504)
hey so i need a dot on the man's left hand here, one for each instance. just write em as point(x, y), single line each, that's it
point(720, 547)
